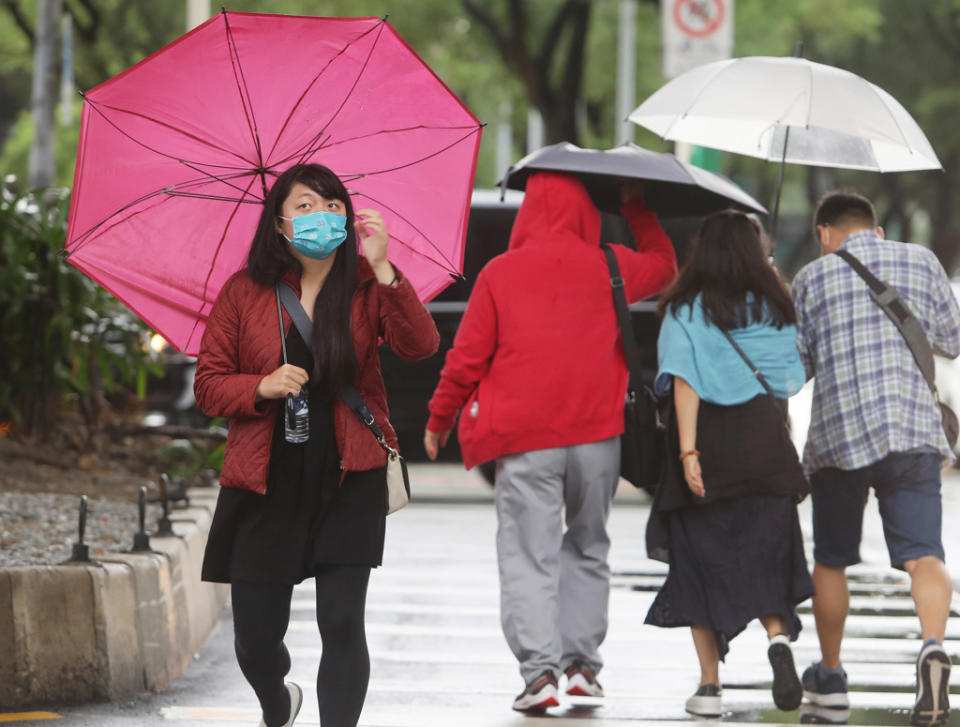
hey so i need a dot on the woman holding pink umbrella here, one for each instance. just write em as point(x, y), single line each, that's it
point(304, 480)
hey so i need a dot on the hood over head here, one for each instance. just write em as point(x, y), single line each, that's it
point(555, 208)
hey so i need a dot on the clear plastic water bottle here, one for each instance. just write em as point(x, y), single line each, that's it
point(296, 422)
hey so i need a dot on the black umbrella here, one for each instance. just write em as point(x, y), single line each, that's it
point(671, 187)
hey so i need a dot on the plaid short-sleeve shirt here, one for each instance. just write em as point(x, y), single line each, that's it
point(869, 397)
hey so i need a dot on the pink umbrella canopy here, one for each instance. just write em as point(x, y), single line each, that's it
point(178, 152)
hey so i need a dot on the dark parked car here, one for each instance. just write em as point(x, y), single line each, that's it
point(410, 384)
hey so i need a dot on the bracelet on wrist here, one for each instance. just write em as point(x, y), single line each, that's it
point(688, 453)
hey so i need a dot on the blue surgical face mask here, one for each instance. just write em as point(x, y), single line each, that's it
point(318, 234)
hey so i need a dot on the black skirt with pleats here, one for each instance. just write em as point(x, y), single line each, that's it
point(740, 556)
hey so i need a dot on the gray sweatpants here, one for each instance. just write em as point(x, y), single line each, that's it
point(555, 584)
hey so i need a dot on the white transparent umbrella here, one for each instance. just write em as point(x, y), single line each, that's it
point(788, 110)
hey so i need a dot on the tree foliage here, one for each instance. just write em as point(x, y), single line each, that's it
point(559, 56)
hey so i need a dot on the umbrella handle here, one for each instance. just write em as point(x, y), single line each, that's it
point(503, 183)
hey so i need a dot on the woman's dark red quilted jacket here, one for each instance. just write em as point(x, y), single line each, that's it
point(241, 345)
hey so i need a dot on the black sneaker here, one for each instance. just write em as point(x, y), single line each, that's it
point(538, 695)
point(933, 687)
point(706, 701)
point(825, 690)
point(581, 682)
point(787, 691)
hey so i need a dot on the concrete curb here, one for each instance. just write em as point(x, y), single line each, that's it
point(128, 623)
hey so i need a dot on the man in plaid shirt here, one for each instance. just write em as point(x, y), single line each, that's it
point(874, 423)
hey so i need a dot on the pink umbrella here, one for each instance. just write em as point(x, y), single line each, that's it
point(177, 154)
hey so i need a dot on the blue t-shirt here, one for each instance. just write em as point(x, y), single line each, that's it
point(700, 354)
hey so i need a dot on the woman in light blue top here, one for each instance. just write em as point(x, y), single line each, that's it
point(726, 510)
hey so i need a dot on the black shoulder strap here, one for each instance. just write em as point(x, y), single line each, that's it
point(630, 350)
point(287, 296)
point(756, 371)
point(350, 396)
point(903, 318)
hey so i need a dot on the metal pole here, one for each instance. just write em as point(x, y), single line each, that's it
point(81, 551)
point(141, 541)
point(626, 70)
point(534, 130)
point(164, 526)
point(198, 11)
point(504, 140)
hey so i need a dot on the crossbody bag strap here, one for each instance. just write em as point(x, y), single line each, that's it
point(351, 397)
point(903, 318)
point(287, 296)
point(630, 349)
point(756, 371)
point(283, 334)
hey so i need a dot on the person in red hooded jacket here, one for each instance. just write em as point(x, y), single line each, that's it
point(303, 494)
point(538, 370)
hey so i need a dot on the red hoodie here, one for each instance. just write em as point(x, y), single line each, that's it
point(537, 361)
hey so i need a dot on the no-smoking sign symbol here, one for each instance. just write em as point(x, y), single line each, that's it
point(698, 18)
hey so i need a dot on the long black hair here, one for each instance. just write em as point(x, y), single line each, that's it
point(334, 357)
point(726, 263)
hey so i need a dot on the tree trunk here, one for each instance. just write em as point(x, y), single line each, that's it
point(556, 100)
point(44, 98)
point(946, 239)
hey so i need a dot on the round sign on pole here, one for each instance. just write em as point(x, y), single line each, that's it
point(698, 18)
point(695, 32)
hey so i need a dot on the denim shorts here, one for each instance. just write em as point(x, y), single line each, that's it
point(907, 485)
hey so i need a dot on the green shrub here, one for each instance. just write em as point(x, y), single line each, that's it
point(62, 337)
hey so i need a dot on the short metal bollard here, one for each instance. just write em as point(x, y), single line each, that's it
point(164, 525)
point(81, 551)
point(141, 540)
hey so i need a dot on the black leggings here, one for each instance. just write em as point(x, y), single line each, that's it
point(261, 613)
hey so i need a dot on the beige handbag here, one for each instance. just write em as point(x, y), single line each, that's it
point(398, 482)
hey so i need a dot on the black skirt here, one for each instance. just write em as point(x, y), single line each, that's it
point(307, 516)
point(737, 555)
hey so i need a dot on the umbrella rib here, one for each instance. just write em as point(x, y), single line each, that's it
point(361, 175)
point(430, 242)
point(903, 137)
point(400, 131)
point(214, 197)
point(245, 99)
point(415, 251)
point(696, 98)
point(213, 262)
point(85, 237)
point(309, 147)
point(304, 94)
point(298, 152)
point(81, 239)
point(170, 127)
point(189, 165)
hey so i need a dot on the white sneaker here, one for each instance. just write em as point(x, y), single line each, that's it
point(581, 682)
point(539, 694)
point(296, 699)
point(706, 701)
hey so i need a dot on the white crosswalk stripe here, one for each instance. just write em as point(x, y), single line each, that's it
point(435, 640)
